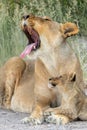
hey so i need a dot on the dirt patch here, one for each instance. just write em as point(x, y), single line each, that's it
point(10, 120)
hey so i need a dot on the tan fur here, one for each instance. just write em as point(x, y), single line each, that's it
point(11, 72)
point(69, 29)
point(73, 103)
point(23, 99)
point(52, 58)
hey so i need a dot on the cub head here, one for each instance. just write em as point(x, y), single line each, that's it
point(62, 82)
point(44, 34)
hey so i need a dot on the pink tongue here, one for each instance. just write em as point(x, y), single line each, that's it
point(27, 50)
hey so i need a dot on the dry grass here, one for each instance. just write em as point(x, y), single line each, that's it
point(12, 40)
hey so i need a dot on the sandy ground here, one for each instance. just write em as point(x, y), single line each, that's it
point(10, 120)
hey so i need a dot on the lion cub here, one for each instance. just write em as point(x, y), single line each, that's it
point(10, 74)
point(73, 102)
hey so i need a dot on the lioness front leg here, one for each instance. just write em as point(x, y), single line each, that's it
point(36, 116)
point(59, 115)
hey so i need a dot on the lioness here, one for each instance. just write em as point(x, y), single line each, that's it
point(73, 103)
point(52, 56)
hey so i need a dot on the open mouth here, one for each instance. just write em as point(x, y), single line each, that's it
point(33, 41)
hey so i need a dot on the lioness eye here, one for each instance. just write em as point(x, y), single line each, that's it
point(47, 19)
point(25, 17)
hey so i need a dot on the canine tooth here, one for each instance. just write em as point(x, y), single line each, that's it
point(34, 47)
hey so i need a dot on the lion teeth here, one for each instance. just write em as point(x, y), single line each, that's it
point(34, 47)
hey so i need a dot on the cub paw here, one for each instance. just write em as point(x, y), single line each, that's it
point(48, 112)
point(57, 119)
point(50, 119)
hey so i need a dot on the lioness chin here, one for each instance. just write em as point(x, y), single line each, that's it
point(52, 56)
point(73, 103)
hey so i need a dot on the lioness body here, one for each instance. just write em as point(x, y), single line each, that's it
point(53, 56)
point(10, 75)
point(23, 99)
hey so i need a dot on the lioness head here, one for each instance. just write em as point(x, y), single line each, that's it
point(62, 82)
point(43, 33)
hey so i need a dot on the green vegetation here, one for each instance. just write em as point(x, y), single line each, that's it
point(12, 40)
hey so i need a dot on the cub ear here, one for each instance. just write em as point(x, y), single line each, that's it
point(68, 29)
point(72, 77)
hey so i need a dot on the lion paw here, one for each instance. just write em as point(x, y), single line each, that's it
point(25, 120)
point(48, 112)
point(50, 119)
point(32, 121)
point(57, 119)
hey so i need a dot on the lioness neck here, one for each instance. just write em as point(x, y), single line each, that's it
point(56, 58)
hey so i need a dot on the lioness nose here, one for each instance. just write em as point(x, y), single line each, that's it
point(25, 17)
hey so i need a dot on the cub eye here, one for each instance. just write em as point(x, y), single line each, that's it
point(53, 84)
point(60, 76)
point(50, 79)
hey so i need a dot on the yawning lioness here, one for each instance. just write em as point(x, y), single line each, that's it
point(51, 56)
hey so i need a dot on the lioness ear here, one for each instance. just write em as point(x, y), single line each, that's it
point(72, 77)
point(68, 29)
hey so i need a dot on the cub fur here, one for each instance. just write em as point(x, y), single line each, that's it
point(73, 103)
